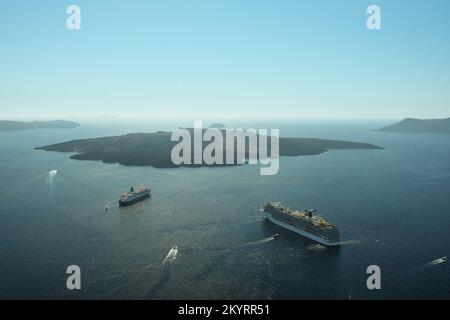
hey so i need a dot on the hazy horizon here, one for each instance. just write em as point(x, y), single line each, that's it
point(206, 119)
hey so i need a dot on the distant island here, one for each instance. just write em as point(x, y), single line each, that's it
point(6, 125)
point(411, 125)
point(154, 149)
point(217, 125)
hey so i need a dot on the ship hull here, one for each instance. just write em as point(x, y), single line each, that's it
point(301, 232)
point(134, 200)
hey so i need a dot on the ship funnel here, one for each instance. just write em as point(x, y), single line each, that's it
point(310, 212)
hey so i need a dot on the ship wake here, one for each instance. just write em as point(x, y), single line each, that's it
point(166, 274)
point(111, 205)
point(430, 264)
point(171, 255)
point(315, 248)
point(423, 267)
point(259, 242)
point(350, 242)
point(50, 184)
point(436, 262)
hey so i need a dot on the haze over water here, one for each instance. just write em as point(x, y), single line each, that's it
point(390, 205)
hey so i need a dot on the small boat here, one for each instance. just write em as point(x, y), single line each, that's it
point(276, 236)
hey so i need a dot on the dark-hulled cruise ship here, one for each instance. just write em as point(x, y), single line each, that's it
point(133, 196)
point(303, 223)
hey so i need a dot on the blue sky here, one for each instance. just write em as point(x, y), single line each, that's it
point(225, 58)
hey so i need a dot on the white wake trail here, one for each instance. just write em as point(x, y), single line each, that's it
point(262, 241)
point(50, 183)
point(436, 262)
point(315, 248)
point(171, 256)
point(350, 242)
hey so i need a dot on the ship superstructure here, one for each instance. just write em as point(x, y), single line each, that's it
point(134, 195)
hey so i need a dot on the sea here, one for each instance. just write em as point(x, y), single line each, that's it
point(201, 235)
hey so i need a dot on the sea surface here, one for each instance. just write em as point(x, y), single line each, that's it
point(392, 207)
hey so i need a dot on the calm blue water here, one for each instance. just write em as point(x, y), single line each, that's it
point(393, 207)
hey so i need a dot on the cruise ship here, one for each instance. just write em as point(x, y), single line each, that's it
point(303, 222)
point(134, 195)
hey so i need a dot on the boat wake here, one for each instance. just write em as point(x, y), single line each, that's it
point(111, 205)
point(50, 183)
point(436, 262)
point(171, 256)
point(262, 241)
point(423, 267)
point(350, 242)
point(315, 248)
point(52, 173)
point(164, 278)
point(51, 176)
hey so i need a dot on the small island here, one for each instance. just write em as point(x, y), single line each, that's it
point(154, 149)
point(7, 125)
point(411, 125)
point(217, 125)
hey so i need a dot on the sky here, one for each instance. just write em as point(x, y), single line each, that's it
point(225, 58)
